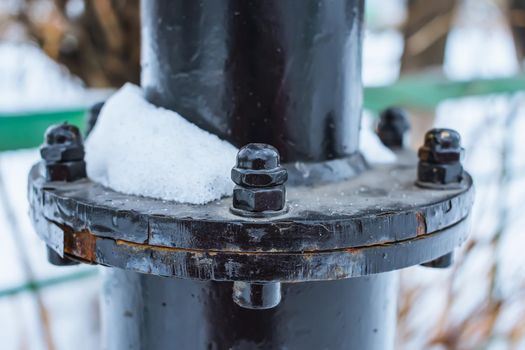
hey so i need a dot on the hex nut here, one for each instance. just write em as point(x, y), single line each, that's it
point(65, 171)
point(63, 153)
point(392, 126)
point(63, 143)
point(440, 158)
point(259, 199)
point(55, 154)
point(444, 157)
point(440, 173)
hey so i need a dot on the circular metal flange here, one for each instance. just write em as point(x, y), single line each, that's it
point(375, 222)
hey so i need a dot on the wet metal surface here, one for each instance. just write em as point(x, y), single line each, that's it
point(285, 73)
point(380, 206)
point(266, 267)
point(379, 221)
point(151, 312)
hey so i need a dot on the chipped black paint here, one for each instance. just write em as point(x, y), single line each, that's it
point(380, 206)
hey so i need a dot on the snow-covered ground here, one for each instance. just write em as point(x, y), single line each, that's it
point(67, 310)
point(29, 80)
point(488, 126)
point(459, 303)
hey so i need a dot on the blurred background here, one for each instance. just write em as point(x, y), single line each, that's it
point(450, 63)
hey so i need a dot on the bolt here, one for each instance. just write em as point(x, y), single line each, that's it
point(92, 116)
point(257, 296)
point(392, 126)
point(442, 262)
point(259, 190)
point(55, 259)
point(63, 156)
point(63, 153)
point(259, 180)
point(440, 158)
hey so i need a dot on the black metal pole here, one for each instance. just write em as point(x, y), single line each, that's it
point(151, 312)
point(282, 72)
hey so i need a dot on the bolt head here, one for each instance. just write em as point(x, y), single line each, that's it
point(440, 158)
point(92, 118)
point(392, 126)
point(258, 165)
point(443, 139)
point(259, 199)
point(441, 146)
point(63, 143)
point(258, 156)
point(63, 134)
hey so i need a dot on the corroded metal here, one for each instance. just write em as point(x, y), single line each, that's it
point(381, 222)
point(382, 206)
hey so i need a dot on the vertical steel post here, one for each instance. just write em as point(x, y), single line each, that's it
point(150, 312)
point(282, 72)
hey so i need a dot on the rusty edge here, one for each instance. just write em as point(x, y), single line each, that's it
point(421, 228)
point(81, 245)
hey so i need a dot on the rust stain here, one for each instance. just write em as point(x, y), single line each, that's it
point(81, 244)
point(142, 246)
point(353, 250)
point(421, 228)
point(387, 213)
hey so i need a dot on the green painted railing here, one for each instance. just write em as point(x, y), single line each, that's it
point(426, 91)
point(47, 282)
point(25, 130)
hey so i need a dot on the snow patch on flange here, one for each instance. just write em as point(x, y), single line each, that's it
point(138, 148)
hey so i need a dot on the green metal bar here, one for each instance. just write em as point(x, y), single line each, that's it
point(427, 91)
point(27, 130)
point(44, 283)
point(421, 91)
